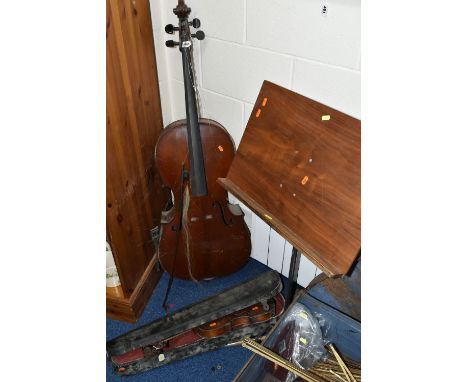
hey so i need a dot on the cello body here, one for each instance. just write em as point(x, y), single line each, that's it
point(212, 239)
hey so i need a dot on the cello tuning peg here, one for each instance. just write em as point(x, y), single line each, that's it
point(170, 28)
point(195, 23)
point(200, 35)
point(171, 43)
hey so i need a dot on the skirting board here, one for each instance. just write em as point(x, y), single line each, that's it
point(130, 309)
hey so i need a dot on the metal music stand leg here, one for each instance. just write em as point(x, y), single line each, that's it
point(292, 278)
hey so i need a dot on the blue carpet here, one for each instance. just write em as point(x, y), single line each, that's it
point(215, 366)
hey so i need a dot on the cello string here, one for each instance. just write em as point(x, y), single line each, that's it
point(194, 79)
point(185, 195)
point(200, 103)
point(200, 111)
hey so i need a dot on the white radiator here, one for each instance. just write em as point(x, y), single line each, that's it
point(271, 249)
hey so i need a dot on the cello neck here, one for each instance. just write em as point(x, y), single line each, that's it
point(197, 165)
point(198, 185)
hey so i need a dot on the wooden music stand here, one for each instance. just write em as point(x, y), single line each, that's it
point(298, 167)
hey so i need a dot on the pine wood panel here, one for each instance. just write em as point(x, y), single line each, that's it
point(134, 122)
point(298, 167)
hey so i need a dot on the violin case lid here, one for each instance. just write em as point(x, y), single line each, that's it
point(239, 297)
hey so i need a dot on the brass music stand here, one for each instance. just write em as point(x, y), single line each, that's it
point(298, 168)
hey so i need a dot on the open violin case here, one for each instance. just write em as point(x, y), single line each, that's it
point(250, 309)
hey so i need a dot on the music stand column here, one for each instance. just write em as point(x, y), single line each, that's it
point(292, 278)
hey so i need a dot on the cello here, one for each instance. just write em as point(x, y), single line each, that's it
point(202, 235)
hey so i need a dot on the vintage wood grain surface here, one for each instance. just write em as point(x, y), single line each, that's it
point(134, 122)
point(298, 168)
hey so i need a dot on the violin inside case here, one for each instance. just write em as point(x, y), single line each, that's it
point(249, 309)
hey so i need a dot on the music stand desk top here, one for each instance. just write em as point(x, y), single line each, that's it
point(298, 167)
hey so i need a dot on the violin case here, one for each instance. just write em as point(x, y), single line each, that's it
point(217, 321)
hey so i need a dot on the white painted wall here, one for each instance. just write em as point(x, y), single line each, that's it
point(288, 42)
